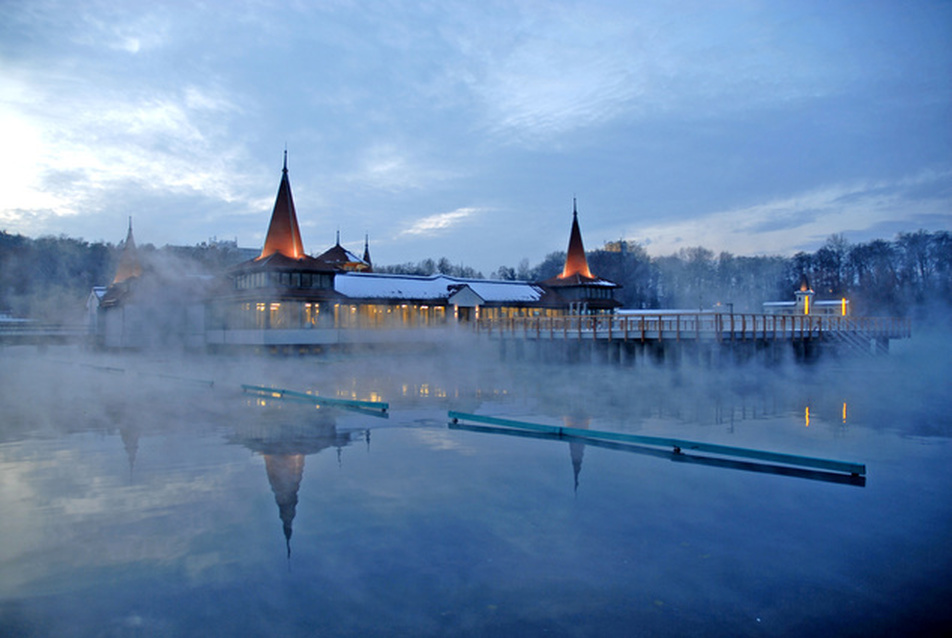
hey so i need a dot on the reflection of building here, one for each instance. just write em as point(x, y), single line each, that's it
point(284, 297)
point(804, 304)
point(284, 447)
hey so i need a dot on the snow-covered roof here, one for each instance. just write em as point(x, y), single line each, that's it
point(359, 285)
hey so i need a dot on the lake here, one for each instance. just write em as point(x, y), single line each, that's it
point(148, 495)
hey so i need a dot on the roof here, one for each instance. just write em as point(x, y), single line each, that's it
point(578, 280)
point(284, 236)
point(129, 265)
point(576, 271)
point(575, 261)
point(432, 288)
point(279, 261)
point(339, 257)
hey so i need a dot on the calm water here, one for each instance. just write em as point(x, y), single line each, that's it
point(139, 500)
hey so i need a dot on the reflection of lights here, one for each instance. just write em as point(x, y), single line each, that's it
point(807, 416)
point(806, 305)
point(843, 312)
point(844, 412)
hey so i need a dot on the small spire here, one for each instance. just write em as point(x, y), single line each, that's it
point(285, 169)
point(338, 237)
point(367, 253)
point(129, 265)
point(574, 207)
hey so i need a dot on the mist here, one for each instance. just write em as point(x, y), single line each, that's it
point(145, 492)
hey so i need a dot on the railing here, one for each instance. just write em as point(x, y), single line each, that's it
point(31, 332)
point(695, 326)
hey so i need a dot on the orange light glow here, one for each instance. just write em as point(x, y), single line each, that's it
point(806, 305)
point(843, 306)
point(807, 416)
point(844, 413)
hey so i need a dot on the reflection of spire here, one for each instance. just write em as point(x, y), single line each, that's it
point(284, 445)
point(130, 441)
point(284, 475)
point(576, 448)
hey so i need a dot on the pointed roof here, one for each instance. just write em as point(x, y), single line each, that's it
point(369, 263)
point(284, 236)
point(129, 266)
point(340, 258)
point(575, 261)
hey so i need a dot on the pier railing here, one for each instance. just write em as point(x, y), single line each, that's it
point(29, 332)
point(696, 326)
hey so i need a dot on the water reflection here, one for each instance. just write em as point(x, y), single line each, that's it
point(130, 441)
point(463, 533)
point(284, 437)
point(576, 447)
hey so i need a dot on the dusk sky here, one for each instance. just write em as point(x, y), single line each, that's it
point(464, 129)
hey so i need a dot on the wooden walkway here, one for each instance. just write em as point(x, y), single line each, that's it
point(698, 327)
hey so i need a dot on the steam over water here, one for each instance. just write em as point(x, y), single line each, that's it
point(147, 495)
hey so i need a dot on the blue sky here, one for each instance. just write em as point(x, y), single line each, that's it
point(464, 129)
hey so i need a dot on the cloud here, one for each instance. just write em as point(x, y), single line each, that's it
point(440, 223)
point(807, 218)
point(394, 168)
point(549, 70)
point(69, 146)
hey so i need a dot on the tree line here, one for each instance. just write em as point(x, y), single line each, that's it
point(49, 278)
point(912, 274)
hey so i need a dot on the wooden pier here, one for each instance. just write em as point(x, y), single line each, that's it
point(666, 335)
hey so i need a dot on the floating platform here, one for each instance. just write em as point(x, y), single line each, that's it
point(677, 446)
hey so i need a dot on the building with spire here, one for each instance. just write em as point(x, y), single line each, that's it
point(583, 292)
point(282, 287)
point(129, 266)
point(285, 298)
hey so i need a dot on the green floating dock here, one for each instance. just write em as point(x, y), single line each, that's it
point(280, 393)
point(678, 446)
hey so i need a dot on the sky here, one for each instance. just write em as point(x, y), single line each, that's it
point(465, 129)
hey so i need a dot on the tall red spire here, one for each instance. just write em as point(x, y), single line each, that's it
point(284, 236)
point(575, 262)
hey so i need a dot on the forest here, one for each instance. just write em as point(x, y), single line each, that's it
point(48, 278)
